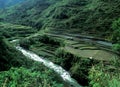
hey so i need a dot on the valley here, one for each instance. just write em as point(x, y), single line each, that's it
point(62, 48)
point(54, 43)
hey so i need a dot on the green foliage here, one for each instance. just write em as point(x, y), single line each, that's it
point(116, 35)
point(76, 2)
point(12, 30)
point(45, 39)
point(22, 77)
point(92, 17)
point(72, 16)
point(35, 74)
point(116, 31)
point(78, 67)
point(6, 34)
point(9, 56)
point(99, 78)
point(116, 47)
point(25, 43)
point(49, 40)
point(31, 9)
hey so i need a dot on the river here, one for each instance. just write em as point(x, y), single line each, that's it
point(58, 69)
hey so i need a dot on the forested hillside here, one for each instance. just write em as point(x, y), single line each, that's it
point(80, 16)
point(15, 68)
point(8, 56)
point(81, 36)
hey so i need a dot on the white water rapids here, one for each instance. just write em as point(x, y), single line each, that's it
point(58, 69)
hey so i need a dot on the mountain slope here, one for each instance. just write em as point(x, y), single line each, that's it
point(86, 17)
point(16, 69)
point(89, 17)
point(9, 57)
point(26, 13)
point(92, 17)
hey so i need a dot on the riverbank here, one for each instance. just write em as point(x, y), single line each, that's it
point(59, 70)
point(76, 57)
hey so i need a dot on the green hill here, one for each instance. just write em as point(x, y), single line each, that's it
point(91, 17)
point(51, 29)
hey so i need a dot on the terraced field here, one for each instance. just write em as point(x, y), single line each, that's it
point(87, 49)
point(15, 31)
point(77, 55)
point(43, 50)
point(80, 45)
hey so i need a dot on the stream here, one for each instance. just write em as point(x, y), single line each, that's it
point(58, 69)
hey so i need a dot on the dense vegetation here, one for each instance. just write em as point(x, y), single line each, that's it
point(23, 77)
point(15, 31)
point(86, 71)
point(98, 18)
point(8, 56)
point(16, 69)
point(116, 34)
point(80, 16)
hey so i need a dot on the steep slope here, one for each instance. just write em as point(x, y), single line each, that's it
point(16, 69)
point(88, 17)
point(26, 13)
point(9, 57)
point(92, 17)
point(83, 16)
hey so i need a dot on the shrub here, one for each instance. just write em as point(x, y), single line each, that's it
point(116, 31)
point(99, 78)
point(49, 40)
point(25, 43)
point(9, 56)
point(77, 66)
point(116, 47)
point(22, 77)
point(6, 34)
